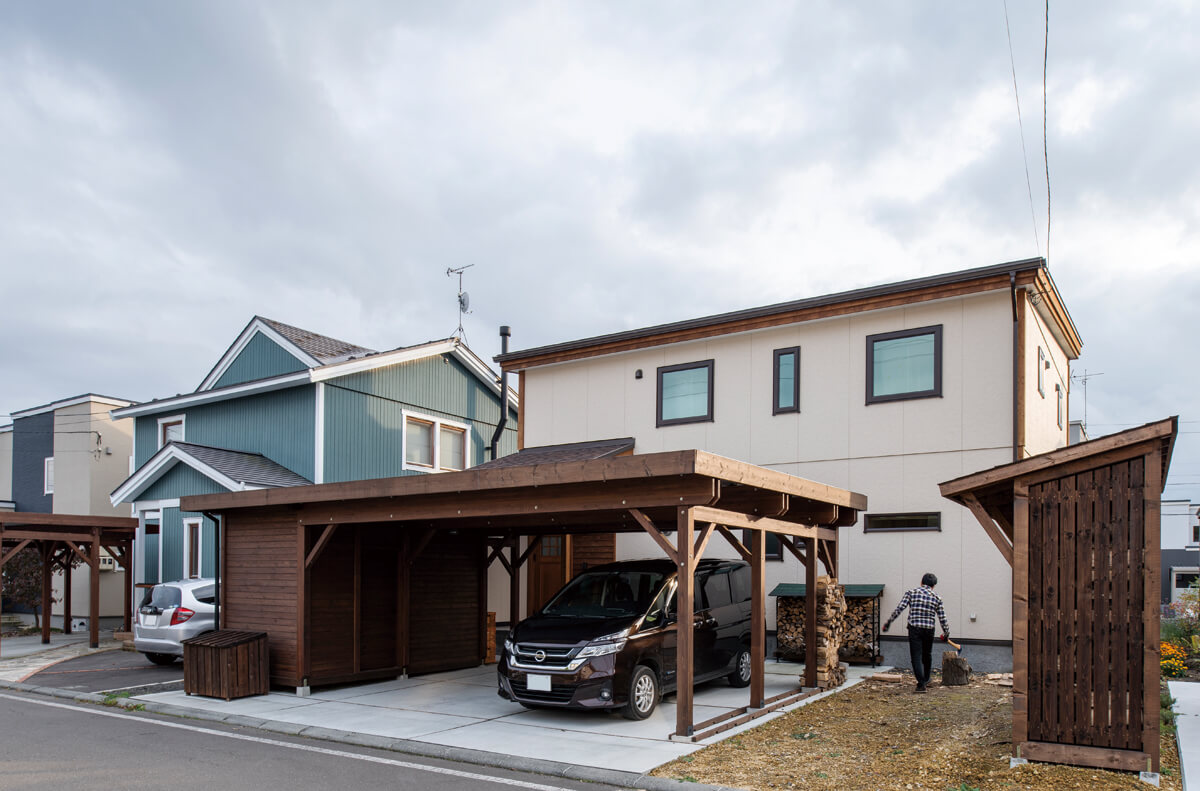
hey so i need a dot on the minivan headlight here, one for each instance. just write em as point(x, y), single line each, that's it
point(509, 648)
point(603, 646)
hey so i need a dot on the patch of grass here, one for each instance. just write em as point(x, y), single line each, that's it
point(804, 735)
point(1166, 713)
point(111, 698)
point(964, 787)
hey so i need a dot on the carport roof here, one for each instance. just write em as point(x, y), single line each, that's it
point(565, 496)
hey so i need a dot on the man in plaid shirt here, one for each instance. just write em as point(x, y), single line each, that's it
point(923, 606)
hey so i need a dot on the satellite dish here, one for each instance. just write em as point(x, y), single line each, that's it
point(464, 301)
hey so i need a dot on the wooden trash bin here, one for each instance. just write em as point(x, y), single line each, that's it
point(227, 664)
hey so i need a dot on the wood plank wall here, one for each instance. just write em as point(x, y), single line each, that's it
point(258, 586)
point(446, 613)
point(1087, 559)
point(592, 549)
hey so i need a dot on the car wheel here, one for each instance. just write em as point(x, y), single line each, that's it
point(643, 694)
point(162, 659)
point(740, 676)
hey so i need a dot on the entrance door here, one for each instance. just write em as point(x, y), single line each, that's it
point(547, 571)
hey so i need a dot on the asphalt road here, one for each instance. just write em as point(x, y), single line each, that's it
point(105, 671)
point(53, 744)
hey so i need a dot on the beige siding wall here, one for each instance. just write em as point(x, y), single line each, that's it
point(85, 472)
point(895, 453)
point(6, 457)
point(1042, 432)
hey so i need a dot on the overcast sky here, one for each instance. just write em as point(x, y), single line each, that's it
point(168, 170)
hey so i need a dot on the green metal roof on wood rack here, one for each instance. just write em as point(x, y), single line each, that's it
point(852, 591)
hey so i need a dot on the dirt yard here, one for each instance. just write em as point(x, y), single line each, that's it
point(879, 735)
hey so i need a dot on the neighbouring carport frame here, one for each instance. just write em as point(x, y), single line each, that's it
point(58, 537)
point(1080, 528)
point(692, 493)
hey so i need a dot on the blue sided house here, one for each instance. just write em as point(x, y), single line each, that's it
point(287, 407)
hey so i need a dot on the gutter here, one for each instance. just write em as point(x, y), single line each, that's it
point(1012, 287)
point(217, 561)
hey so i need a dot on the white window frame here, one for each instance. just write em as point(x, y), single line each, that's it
point(48, 475)
point(1043, 364)
point(437, 422)
point(187, 546)
point(180, 419)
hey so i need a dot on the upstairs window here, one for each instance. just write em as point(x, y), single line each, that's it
point(896, 523)
point(433, 444)
point(48, 478)
point(904, 364)
point(685, 393)
point(170, 429)
point(1042, 372)
point(786, 380)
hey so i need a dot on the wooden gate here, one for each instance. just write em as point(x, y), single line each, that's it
point(1087, 558)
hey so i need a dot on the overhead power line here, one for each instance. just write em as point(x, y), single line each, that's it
point(1021, 127)
point(1045, 143)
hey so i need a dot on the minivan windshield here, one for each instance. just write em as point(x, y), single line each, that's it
point(611, 594)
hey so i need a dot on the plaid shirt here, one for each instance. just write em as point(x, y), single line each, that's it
point(923, 606)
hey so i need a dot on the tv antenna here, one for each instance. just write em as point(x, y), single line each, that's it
point(464, 301)
point(1084, 377)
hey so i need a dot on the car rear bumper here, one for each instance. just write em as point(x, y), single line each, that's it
point(168, 639)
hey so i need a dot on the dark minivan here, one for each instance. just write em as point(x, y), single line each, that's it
point(607, 639)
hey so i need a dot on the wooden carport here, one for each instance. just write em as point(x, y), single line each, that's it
point(60, 537)
point(1080, 527)
point(274, 541)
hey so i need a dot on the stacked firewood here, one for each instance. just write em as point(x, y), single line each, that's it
point(859, 643)
point(831, 616)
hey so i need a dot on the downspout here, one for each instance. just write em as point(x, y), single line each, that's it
point(217, 562)
point(495, 444)
point(1012, 287)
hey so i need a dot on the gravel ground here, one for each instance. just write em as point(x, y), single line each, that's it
point(880, 735)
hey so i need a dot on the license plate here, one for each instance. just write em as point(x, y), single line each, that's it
point(537, 683)
point(149, 620)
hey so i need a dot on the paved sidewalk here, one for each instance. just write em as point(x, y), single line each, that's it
point(21, 657)
point(1187, 730)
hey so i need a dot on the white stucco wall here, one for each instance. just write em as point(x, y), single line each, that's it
point(1042, 432)
point(896, 453)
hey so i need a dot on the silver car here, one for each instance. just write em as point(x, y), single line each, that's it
point(170, 613)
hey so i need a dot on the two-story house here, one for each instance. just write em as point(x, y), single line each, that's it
point(285, 407)
point(64, 458)
point(1180, 536)
point(885, 390)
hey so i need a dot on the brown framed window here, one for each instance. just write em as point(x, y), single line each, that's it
point(774, 549)
point(896, 523)
point(685, 393)
point(904, 365)
point(170, 429)
point(785, 380)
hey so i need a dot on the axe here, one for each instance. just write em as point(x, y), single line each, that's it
point(952, 644)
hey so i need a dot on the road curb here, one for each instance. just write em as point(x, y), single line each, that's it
point(404, 746)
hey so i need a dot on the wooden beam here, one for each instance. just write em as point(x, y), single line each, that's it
point(82, 555)
point(758, 619)
point(734, 519)
point(1080, 755)
point(84, 522)
point(1020, 616)
point(736, 543)
point(649, 527)
point(5, 557)
point(989, 527)
point(532, 545)
point(318, 547)
point(827, 558)
point(1151, 623)
point(702, 541)
point(418, 547)
point(117, 554)
point(46, 535)
point(788, 543)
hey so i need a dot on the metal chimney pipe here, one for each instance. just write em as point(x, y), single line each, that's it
point(505, 332)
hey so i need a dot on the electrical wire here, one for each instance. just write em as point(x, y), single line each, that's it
point(1021, 127)
point(1045, 143)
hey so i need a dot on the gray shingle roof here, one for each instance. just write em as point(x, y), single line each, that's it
point(247, 468)
point(322, 347)
point(554, 454)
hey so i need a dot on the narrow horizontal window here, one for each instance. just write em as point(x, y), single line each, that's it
point(786, 380)
point(904, 364)
point(685, 393)
point(891, 523)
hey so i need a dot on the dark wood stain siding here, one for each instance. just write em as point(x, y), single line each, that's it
point(258, 586)
point(446, 613)
point(589, 550)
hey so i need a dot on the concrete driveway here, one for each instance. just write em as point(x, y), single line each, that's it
point(461, 709)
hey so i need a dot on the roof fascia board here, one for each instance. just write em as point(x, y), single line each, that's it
point(66, 402)
point(210, 396)
point(843, 303)
point(256, 325)
point(158, 466)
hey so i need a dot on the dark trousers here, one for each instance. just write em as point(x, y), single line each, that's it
point(920, 647)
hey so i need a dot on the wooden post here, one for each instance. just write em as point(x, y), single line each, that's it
point(357, 629)
point(514, 584)
point(302, 578)
point(47, 553)
point(1, 576)
point(810, 612)
point(68, 561)
point(1020, 615)
point(94, 590)
point(758, 619)
point(685, 628)
point(403, 585)
point(1152, 558)
point(127, 551)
